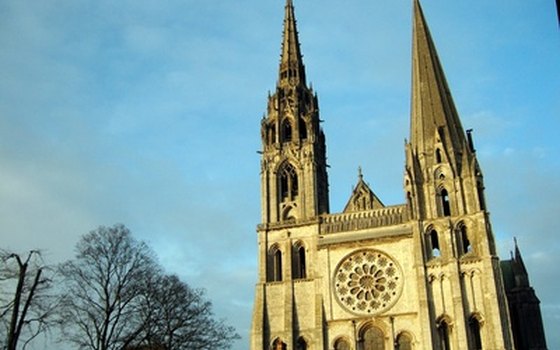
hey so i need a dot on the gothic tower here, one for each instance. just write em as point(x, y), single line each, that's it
point(293, 169)
point(524, 306)
point(445, 194)
point(420, 275)
point(294, 193)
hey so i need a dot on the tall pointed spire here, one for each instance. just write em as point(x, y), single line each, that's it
point(433, 117)
point(292, 69)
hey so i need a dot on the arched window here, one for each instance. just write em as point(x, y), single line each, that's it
point(443, 335)
point(301, 344)
point(286, 131)
point(303, 129)
point(474, 330)
point(278, 265)
point(274, 265)
point(404, 342)
point(480, 191)
point(438, 155)
point(409, 201)
point(465, 243)
point(373, 339)
point(300, 268)
point(288, 183)
point(434, 249)
point(341, 344)
point(278, 345)
point(445, 205)
point(272, 134)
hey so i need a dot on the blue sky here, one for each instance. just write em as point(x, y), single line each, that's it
point(147, 113)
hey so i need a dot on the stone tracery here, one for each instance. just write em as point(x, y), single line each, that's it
point(367, 282)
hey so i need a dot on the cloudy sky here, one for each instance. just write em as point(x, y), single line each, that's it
point(147, 113)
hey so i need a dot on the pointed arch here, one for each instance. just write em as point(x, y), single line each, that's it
point(464, 242)
point(300, 261)
point(278, 344)
point(443, 331)
point(432, 243)
point(301, 344)
point(286, 130)
point(288, 182)
point(444, 202)
point(480, 192)
point(272, 134)
point(302, 129)
point(274, 270)
point(288, 213)
point(474, 332)
point(438, 156)
point(409, 202)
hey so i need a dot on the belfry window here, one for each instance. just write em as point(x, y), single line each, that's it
point(272, 134)
point(274, 265)
point(445, 205)
point(300, 269)
point(474, 330)
point(303, 129)
point(433, 244)
point(409, 201)
point(438, 155)
point(301, 344)
point(278, 345)
point(480, 191)
point(443, 333)
point(464, 239)
point(288, 183)
point(286, 131)
point(277, 265)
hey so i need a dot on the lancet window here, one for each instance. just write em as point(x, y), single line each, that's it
point(278, 345)
point(445, 205)
point(474, 330)
point(274, 265)
point(443, 335)
point(286, 130)
point(288, 183)
point(303, 129)
point(465, 243)
point(433, 246)
point(300, 268)
point(301, 344)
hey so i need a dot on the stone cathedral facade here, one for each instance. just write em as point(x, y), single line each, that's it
point(421, 275)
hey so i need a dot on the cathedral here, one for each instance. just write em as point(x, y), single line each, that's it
point(420, 275)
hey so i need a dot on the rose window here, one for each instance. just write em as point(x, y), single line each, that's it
point(367, 282)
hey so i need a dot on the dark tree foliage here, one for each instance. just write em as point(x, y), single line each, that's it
point(26, 308)
point(117, 297)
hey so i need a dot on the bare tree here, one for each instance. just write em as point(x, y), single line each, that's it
point(116, 297)
point(103, 289)
point(178, 317)
point(25, 305)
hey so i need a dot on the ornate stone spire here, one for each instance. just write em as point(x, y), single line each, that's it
point(434, 119)
point(292, 69)
point(294, 161)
